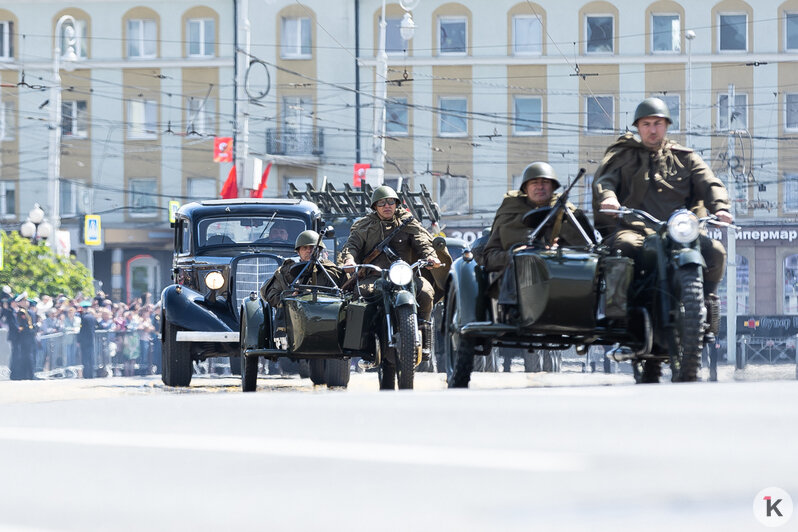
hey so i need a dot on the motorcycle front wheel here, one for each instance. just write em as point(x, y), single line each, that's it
point(690, 321)
point(406, 326)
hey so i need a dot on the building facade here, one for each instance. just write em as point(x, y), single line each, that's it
point(480, 90)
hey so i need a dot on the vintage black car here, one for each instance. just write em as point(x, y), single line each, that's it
point(223, 251)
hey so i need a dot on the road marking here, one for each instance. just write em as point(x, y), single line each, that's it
point(431, 455)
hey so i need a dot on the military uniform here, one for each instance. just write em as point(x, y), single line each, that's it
point(283, 277)
point(508, 229)
point(658, 182)
point(412, 243)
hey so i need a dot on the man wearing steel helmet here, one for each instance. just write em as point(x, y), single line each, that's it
point(285, 274)
point(412, 243)
point(653, 173)
point(538, 183)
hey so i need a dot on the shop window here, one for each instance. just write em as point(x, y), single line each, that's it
point(743, 289)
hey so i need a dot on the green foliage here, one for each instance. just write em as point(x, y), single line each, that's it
point(36, 269)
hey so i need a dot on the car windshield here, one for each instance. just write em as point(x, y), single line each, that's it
point(232, 230)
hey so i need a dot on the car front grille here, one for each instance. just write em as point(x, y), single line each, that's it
point(250, 273)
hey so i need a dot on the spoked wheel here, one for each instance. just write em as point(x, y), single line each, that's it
point(458, 351)
point(652, 371)
point(688, 335)
point(406, 353)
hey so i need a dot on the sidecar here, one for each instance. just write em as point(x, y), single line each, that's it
point(549, 297)
point(319, 324)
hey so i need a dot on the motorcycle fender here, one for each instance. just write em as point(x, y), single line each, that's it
point(470, 281)
point(686, 256)
point(403, 297)
point(181, 307)
point(254, 336)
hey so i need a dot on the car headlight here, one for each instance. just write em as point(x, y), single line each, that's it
point(683, 227)
point(214, 280)
point(400, 273)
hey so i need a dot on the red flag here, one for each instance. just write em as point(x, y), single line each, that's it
point(265, 177)
point(230, 188)
point(360, 173)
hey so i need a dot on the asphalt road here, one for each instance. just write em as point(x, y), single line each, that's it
point(565, 451)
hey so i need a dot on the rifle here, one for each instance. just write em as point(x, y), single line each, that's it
point(558, 209)
point(378, 249)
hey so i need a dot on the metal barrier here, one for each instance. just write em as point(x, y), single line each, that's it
point(756, 350)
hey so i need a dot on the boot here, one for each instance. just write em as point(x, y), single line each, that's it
point(426, 340)
point(712, 303)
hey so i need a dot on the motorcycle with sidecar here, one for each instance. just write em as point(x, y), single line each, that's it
point(555, 297)
point(327, 325)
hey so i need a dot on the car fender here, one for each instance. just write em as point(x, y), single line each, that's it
point(254, 313)
point(685, 256)
point(469, 280)
point(181, 307)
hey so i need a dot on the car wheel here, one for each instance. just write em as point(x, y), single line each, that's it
point(177, 367)
point(336, 372)
point(317, 373)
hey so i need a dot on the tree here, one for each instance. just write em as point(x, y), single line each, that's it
point(34, 268)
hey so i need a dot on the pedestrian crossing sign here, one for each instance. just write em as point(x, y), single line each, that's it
point(92, 234)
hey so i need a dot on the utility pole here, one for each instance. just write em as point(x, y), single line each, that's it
point(376, 174)
point(241, 143)
point(731, 252)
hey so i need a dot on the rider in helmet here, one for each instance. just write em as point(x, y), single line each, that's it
point(650, 172)
point(538, 183)
point(412, 243)
point(285, 274)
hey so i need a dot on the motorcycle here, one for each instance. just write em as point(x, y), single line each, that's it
point(390, 310)
point(667, 294)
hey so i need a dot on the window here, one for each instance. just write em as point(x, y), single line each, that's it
point(600, 114)
point(452, 121)
point(453, 194)
point(599, 34)
point(7, 123)
point(142, 119)
point(452, 35)
point(527, 35)
point(743, 289)
point(528, 115)
point(6, 39)
point(791, 192)
point(200, 188)
point(791, 112)
point(75, 197)
point(142, 196)
point(394, 43)
point(791, 31)
point(396, 117)
point(296, 38)
point(74, 121)
point(739, 112)
point(8, 198)
point(141, 38)
point(673, 103)
point(733, 34)
point(665, 33)
point(201, 117)
point(201, 37)
point(81, 41)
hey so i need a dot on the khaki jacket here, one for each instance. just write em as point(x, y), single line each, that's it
point(508, 229)
point(658, 182)
point(282, 279)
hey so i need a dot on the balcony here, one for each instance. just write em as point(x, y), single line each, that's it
point(295, 143)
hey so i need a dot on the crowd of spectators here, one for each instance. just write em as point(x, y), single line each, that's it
point(75, 323)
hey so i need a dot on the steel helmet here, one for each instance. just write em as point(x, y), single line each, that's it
point(539, 170)
point(652, 107)
point(383, 192)
point(308, 238)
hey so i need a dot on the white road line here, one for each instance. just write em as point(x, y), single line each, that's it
point(432, 455)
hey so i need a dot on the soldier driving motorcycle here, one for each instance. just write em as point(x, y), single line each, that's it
point(655, 174)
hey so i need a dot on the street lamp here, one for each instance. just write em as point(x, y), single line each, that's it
point(406, 30)
point(36, 227)
point(689, 35)
point(54, 153)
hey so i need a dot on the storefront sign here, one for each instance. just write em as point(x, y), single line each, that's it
point(775, 326)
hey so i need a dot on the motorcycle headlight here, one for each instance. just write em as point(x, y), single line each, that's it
point(214, 280)
point(683, 227)
point(400, 273)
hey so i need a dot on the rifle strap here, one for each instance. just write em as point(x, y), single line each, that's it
point(555, 232)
